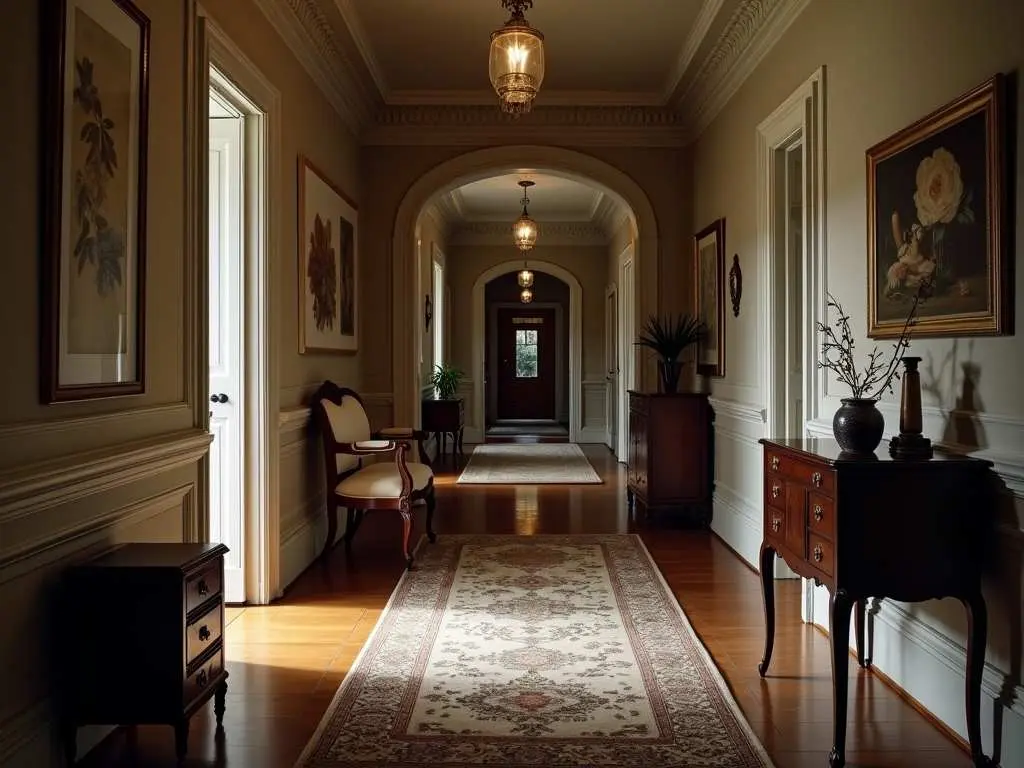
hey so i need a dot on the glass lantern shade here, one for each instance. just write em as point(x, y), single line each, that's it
point(516, 64)
point(525, 233)
point(526, 296)
point(525, 278)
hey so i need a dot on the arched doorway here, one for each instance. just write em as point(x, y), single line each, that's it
point(479, 164)
point(575, 340)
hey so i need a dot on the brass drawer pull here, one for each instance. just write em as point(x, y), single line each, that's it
point(816, 479)
point(775, 463)
point(818, 554)
point(776, 490)
point(818, 514)
point(204, 633)
point(776, 524)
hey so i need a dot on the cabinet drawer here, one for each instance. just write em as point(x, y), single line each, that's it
point(821, 516)
point(821, 554)
point(774, 492)
point(202, 585)
point(818, 477)
point(203, 633)
point(203, 677)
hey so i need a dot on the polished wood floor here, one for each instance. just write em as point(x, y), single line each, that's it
point(287, 660)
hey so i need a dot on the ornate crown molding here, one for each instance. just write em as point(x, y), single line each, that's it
point(565, 233)
point(751, 32)
point(479, 124)
point(306, 30)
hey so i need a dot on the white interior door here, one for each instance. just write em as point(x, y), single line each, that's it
point(611, 328)
point(795, 331)
point(627, 352)
point(227, 511)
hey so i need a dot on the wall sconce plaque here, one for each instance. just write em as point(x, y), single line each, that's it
point(735, 284)
point(428, 311)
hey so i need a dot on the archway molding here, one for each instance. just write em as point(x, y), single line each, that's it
point(475, 431)
point(481, 164)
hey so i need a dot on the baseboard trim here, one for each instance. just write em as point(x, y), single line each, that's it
point(731, 523)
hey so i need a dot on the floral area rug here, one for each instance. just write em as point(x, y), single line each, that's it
point(554, 651)
point(528, 464)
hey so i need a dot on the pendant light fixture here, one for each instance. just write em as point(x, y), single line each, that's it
point(524, 231)
point(517, 60)
point(525, 277)
point(526, 296)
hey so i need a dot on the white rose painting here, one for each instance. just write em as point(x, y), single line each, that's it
point(935, 219)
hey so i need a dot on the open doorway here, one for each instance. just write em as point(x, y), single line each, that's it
point(626, 350)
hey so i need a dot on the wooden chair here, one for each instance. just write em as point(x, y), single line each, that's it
point(367, 471)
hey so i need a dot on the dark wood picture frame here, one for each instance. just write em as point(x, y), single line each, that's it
point(93, 164)
point(938, 210)
point(709, 296)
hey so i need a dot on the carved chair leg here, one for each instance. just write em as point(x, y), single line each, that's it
point(431, 501)
point(350, 529)
point(406, 532)
point(332, 527)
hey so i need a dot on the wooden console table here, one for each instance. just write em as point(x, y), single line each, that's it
point(444, 417)
point(878, 527)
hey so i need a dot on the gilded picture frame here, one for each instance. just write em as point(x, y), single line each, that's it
point(95, 113)
point(709, 299)
point(937, 213)
point(328, 248)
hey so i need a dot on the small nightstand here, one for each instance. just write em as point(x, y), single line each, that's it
point(144, 638)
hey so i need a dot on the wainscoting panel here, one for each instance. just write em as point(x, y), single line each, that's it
point(593, 427)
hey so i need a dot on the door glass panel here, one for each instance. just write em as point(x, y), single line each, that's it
point(526, 354)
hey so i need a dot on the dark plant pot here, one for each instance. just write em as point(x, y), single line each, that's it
point(668, 371)
point(858, 425)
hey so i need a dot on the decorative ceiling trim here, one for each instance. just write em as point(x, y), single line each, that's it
point(565, 233)
point(568, 98)
point(308, 34)
point(355, 28)
point(434, 211)
point(595, 204)
point(752, 31)
point(585, 126)
point(705, 18)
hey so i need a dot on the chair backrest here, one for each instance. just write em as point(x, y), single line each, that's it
point(341, 419)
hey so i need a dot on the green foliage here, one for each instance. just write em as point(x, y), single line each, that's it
point(669, 336)
point(446, 380)
point(97, 243)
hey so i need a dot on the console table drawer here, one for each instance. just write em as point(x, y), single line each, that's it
point(809, 473)
point(201, 586)
point(821, 516)
point(822, 554)
point(203, 633)
point(202, 677)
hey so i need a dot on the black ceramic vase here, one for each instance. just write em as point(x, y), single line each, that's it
point(669, 371)
point(858, 425)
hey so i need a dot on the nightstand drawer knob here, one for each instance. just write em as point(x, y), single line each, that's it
point(204, 633)
point(816, 479)
point(776, 524)
point(818, 514)
point(818, 554)
point(202, 588)
point(775, 463)
point(202, 678)
point(776, 490)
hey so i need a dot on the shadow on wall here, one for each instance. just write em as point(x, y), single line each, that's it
point(963, 427)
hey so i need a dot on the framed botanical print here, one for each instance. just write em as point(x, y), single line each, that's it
point(94, 145)
point(709, 304)
point(328, 245)
point(937, 217)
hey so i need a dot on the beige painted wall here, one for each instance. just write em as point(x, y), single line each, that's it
point(888, 64)
point(388, 172)
point(125, 493)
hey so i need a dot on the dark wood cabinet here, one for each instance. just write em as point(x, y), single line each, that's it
point(144, 638)
point(670, 465)
point(908, 530)
point(444, 417)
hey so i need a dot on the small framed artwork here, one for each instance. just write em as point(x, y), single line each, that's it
point(94, 139)
point(937, 217)
point(709, 280)
point(328, 245)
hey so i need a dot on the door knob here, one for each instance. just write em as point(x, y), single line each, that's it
point(219, 398)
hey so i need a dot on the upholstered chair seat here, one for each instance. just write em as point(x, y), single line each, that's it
point(382, 480)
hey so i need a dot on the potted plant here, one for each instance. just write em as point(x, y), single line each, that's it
point(668, 337)
point(858, 424)
point(446, 380)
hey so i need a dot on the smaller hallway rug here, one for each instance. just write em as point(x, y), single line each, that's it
point(553, 651)
point(528, 464)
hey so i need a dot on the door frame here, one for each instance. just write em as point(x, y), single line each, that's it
point(611, 365)
point(561, 358)
point(800, 118)
point(211, 47)
point(626, 374)
point(475, 431)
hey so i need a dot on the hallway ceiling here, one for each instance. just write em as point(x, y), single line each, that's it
point(615, 52)
point(553, 198)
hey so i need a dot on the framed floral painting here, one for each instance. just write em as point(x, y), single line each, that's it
point(94, 144)
point(328, 269)
point(937, 216)
point(709, 281)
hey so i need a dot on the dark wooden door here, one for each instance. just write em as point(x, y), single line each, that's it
point(526, 363)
